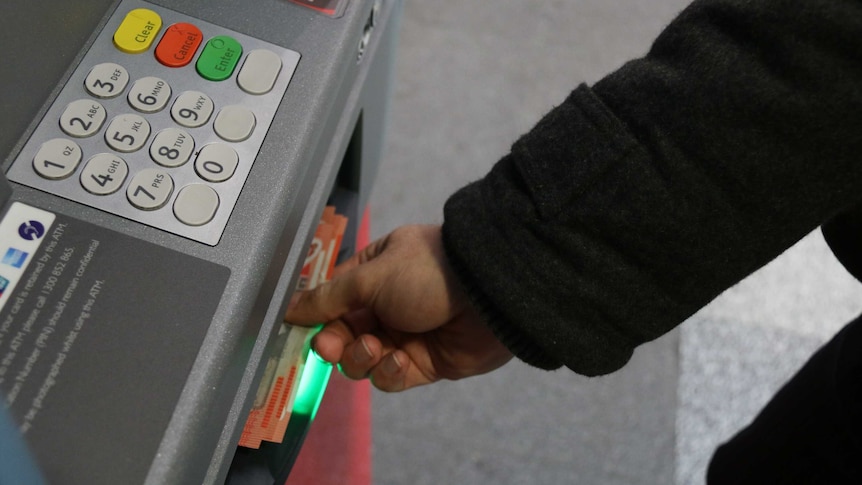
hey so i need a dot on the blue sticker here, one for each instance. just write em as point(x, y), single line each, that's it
point(15, 258)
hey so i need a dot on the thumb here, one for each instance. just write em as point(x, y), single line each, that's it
point(352, 287)
point(346, 292)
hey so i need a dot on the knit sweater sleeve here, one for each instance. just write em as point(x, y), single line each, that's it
point(638, 200)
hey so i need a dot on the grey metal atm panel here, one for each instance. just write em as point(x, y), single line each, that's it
point(199, 317)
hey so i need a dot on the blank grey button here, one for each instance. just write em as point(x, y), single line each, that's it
point(196, 204)
point(234, 123)
point(259, 72)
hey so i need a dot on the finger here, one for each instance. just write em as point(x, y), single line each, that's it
point(396, 372)
point(390, 373)
point(360, 357)
point(331, 340)
point(334, 338)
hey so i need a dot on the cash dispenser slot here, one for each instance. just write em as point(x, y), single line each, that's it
point(363, 124)
point(272, 462)
point(345, 193)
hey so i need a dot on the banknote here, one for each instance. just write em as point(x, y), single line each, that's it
point(270, 413)
point(277, 392)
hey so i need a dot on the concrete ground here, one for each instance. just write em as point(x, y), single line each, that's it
point(470, 78)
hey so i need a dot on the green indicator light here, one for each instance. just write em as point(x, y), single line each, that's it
point(312, 384)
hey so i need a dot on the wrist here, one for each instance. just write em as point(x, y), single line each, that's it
point(513, 338)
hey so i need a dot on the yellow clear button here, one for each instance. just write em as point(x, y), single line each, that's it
point(137, 31)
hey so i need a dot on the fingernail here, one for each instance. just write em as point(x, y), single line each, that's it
point(391, 365)
point(361, 353)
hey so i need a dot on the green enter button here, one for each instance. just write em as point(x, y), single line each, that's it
point(219, 58)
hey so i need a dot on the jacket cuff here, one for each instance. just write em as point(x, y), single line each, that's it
point(521, 345)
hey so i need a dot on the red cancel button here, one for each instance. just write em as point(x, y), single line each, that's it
point(179, 44)
point(332, 8)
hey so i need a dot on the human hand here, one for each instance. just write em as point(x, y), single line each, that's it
point(397, 314)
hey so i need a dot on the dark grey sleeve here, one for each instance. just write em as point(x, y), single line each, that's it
point(637, 201)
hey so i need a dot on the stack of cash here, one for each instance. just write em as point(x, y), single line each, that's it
point(268, 418)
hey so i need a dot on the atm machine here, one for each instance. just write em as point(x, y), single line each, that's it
point(166, 163)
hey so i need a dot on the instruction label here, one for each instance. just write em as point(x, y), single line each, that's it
point(98, 333)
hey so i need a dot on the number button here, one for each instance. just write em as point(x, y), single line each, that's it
point(149, 94)
point(150, 189)
point(216, 162)
point(104, 174)
point(106, 80)
point(82, 118)
point(172, 147)
point(196, 204)
point(127, 133)
point(192, 109)
point(57, 158)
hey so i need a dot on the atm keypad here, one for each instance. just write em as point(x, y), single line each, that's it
point(161, 121)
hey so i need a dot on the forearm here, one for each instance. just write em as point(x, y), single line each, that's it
point(632, 205)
